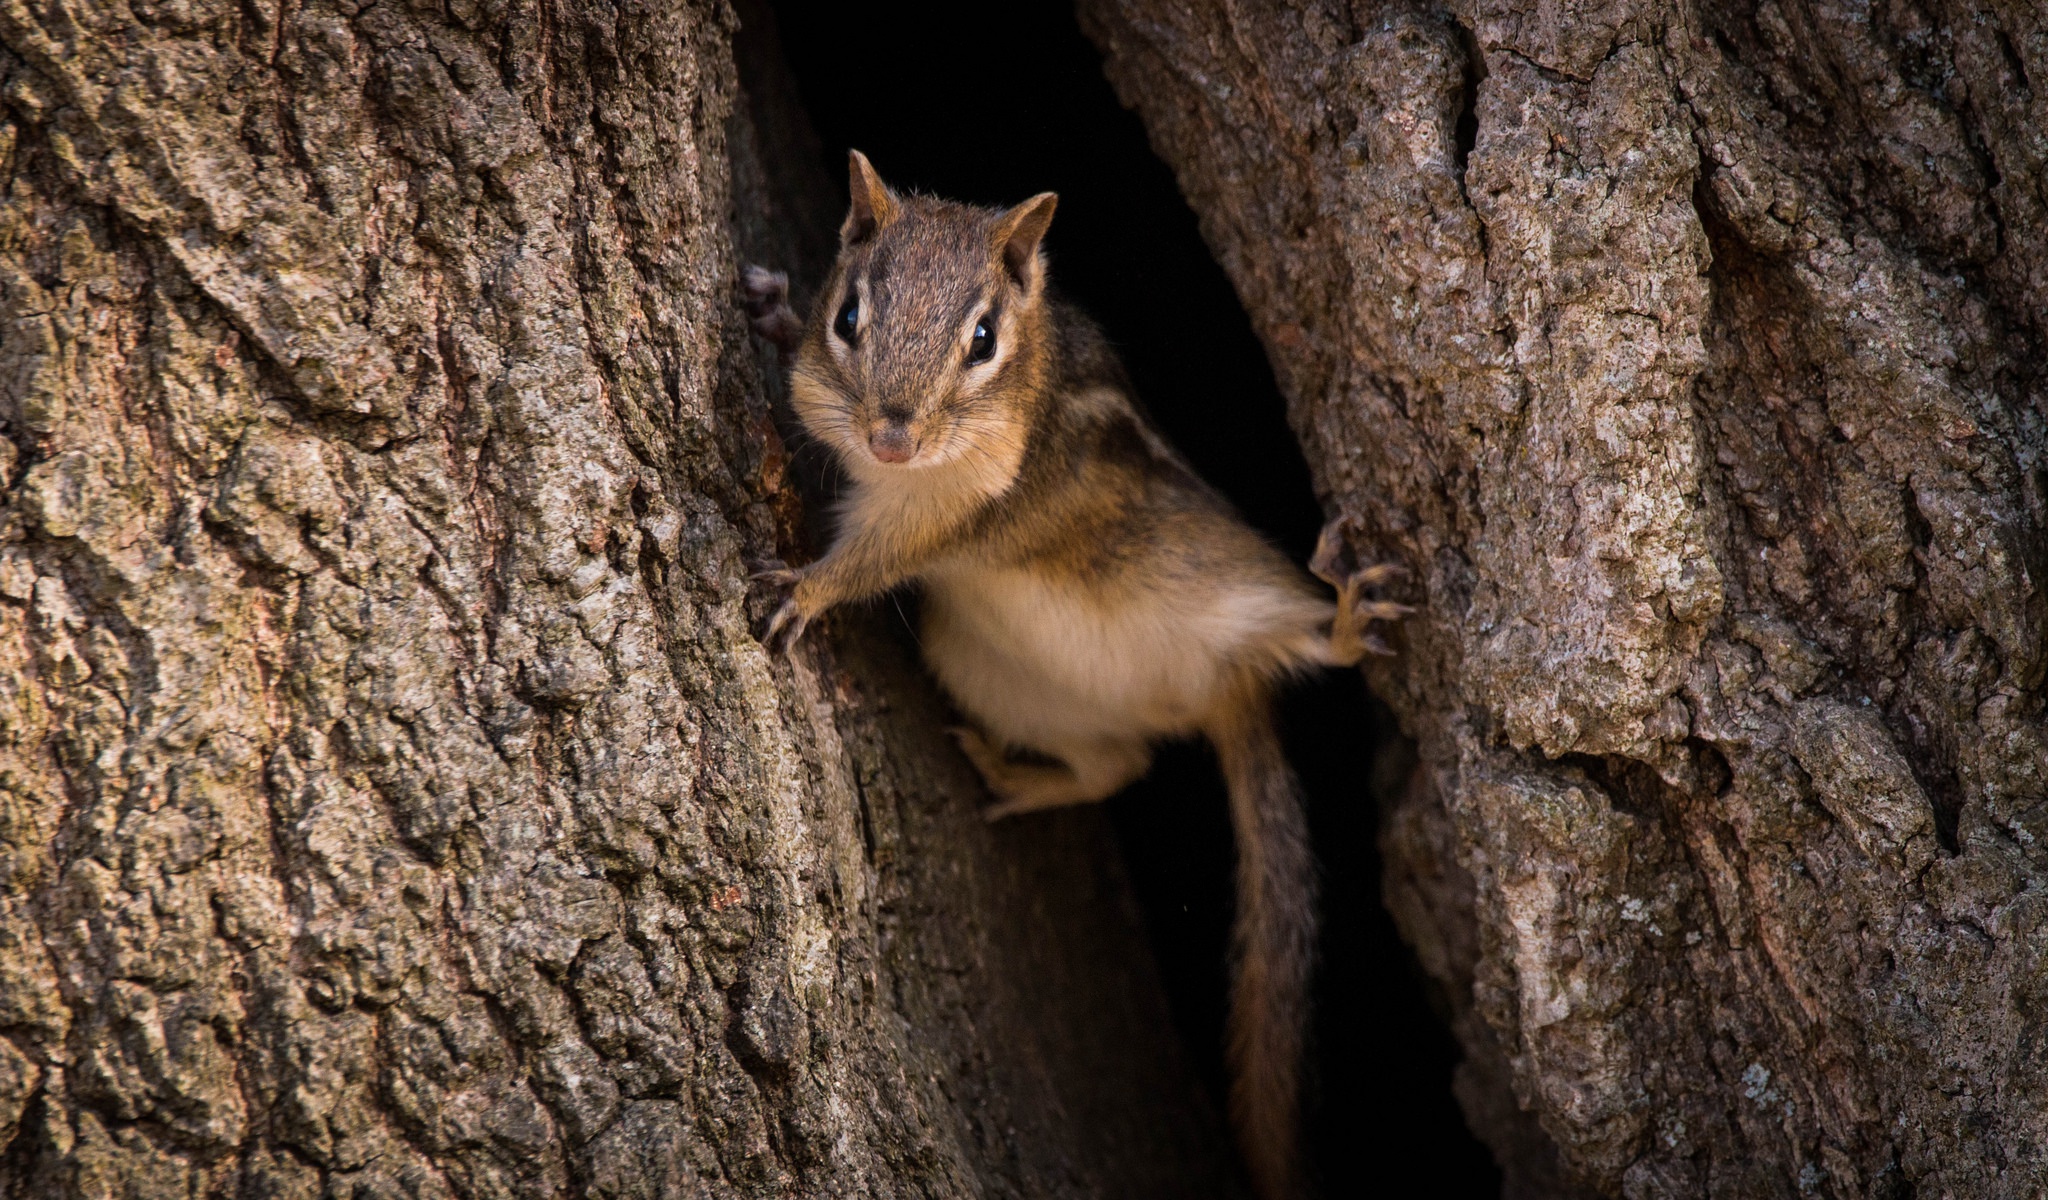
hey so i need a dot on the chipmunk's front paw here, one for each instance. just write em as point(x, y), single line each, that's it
point(791, 618)
point(768, 310)
point(765, 289)
point(1335, 562)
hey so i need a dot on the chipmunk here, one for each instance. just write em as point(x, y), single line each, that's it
point(1085, 594)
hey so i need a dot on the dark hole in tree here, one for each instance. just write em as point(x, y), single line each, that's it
point(991, 105)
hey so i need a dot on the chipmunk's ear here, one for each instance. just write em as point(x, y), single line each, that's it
point(1020, 231)
point(874, 205)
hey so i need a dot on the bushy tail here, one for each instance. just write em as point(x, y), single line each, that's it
point(1274, 946)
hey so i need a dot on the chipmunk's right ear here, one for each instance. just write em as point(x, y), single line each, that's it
point(874, 205)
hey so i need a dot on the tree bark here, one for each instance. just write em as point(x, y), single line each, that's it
point(1691, 359)
point(393, 799)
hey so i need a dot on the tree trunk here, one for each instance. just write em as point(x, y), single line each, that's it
point(393, 800)
point(1690, 357)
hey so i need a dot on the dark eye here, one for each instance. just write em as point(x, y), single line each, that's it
point(983, 347)
point(848, 319)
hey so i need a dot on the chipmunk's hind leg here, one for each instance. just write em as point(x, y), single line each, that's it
point(1336, 563)
point(1083, 776)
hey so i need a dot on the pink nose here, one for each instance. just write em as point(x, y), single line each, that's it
point(891, 444)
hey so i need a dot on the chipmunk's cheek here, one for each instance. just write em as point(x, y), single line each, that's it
point(934, 447)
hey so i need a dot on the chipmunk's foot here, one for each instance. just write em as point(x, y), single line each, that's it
point(986, 756)
point(1335, 562)
point(1080, 775)
point(996, 770)
point(790, 619)
point(768, 310)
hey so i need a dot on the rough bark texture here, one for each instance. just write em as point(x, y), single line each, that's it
point(393, 800)
point(1691, 357)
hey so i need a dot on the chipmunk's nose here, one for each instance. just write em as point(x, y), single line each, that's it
point(890, 442)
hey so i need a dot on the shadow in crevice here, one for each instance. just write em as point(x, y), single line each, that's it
point(992, 105)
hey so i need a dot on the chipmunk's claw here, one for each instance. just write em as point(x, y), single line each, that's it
point(1003, 809)
point(785, 627)
point(789, 621)
point(1335, 562)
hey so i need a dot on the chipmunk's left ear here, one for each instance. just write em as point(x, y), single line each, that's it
point(874, 205)
point(1019, 233)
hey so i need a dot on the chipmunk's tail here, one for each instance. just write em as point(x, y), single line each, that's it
point(1274, 945)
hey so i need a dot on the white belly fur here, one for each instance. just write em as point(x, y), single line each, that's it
point(1052, 663)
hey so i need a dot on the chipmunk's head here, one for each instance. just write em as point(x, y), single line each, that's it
point(928, 345)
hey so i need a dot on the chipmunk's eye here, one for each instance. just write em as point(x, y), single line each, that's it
point(983, 347)
point(848, 319)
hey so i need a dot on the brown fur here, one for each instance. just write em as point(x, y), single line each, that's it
point(1086, 593)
